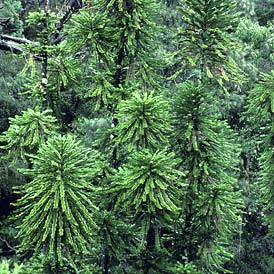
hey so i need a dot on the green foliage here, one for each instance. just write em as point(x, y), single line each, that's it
point(263, 10)
point(257, 51)
point(10, 84)
point(204, 43)
point(211, 206)
point(252, 33)
point(148, 182)
point(266, 180)
point(164, 196)
point(12, 9)
point(37, 265)
point(119, 37)
point(188, 268)
point(27, 132)
point(37, 21)
point(64, 71)
point(148, 185)
point(247, 8)
point(261, 97)
point(255, 254)
point(133, 19)
point(90, 130)
point(56, 206)
point(143, 121)
point(115, 234)
point(8, 108)
point(91, 30)
point(261, 103)
point(6, 269)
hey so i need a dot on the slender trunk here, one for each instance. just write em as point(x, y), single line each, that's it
point(45, 54)
point(116, 83)
point(45, 41)
point(104, 259)
point(150, 246)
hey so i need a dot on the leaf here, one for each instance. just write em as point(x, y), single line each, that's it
point(208, 73)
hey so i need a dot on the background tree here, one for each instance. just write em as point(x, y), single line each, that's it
point(201, 137)
point(210, 207)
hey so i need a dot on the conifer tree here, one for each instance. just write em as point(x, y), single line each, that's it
point(167, 198)
point(118, 35)
point(211, 205)
point(144, 121)
point(149, 182)
point(148, 185)
point(57, 205)
point(204, 44)
point(51, 72)
point(134, 22)
point(261, 106)
point(27, 132)
point(202, 140)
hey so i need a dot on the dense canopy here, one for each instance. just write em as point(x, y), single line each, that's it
point(136, 136)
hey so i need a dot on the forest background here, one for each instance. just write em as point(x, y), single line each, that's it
point(136, 136)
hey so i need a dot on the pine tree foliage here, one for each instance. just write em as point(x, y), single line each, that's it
point(148, 182)
point(204, 43)
point(51, 72)
point(57, 205)
point(27, 132)
point(119, 35)
point(164, 196)
point(148, 185)
point(261, 104)
point(115, 233)
point(90, 31)
point(64, 71)
point(143, 121)
point(93, 34)
point(11, 9)
point(261, 97)
point(5, 268)
point(133, 18)
point(211, 206)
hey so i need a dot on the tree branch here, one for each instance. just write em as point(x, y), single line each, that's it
point(12, 44)
point(6, 46)
point(71, 6)
point(8, 245)
point(16, 39)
